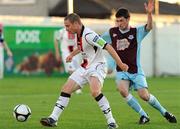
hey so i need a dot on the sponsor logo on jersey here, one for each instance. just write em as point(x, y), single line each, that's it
point(131, 37)
point(122, 44)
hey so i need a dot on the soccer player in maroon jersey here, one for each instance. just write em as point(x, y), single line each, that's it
point(126, 40)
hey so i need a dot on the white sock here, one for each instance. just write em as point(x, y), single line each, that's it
point(156, 104)
point(105, 107)
point(61, 103)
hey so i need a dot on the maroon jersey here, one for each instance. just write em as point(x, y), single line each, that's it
point(125, 45)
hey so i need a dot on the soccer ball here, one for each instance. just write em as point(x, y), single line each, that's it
point(21, 112)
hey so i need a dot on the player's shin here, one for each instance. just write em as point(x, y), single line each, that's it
point(155, 103)
point(134, 104)
point(105, 107)
point(60, 105)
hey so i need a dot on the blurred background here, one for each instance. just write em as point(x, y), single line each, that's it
point(31, 25)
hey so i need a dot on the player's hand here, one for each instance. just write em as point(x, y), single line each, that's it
point(150, 6)
point(69, 58)
point(124, 67)
point(9, 53)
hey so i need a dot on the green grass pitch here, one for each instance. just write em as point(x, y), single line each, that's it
point(83, 112)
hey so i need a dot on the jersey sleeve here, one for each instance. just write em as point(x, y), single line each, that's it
point(106, 36)
point(141, 33)
point(95, 40)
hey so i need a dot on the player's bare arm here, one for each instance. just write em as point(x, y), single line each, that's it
point(9, 53)
point(56, 50)
point(113, 53)
point(149, 9)
point(72, 54)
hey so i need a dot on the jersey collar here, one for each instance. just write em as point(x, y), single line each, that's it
point(125, 31)
point(82, 30)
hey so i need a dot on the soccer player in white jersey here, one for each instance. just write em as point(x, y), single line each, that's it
point(92, 71)
point(3, 45)
point(68, 42)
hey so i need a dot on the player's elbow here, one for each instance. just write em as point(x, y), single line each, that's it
point(149, 27)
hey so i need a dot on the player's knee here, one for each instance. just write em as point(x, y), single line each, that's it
point(67, 89)
point(144, 97)
point(124, 93)
point(95, 93)
point(144, 94)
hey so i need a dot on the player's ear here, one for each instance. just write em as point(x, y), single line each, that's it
point(128, 19)
point(75, 23)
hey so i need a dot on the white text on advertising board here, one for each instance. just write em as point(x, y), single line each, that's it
point(27, 36)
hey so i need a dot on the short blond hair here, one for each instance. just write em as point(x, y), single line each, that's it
point(73, 17)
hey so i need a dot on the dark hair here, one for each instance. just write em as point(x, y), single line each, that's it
point(123, 12)
point(73, 17)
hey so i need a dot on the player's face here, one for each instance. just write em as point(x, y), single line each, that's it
point(122, 23)
point(71, 27)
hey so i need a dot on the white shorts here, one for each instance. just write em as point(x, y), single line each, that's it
point(81, 75)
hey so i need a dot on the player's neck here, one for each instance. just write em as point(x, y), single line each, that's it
point(124, 30)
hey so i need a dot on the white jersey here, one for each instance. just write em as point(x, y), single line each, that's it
point(91, 47)
point(92, 53)
point(68, 41)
